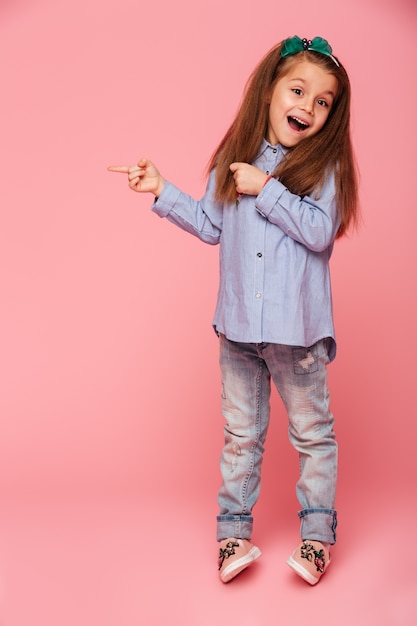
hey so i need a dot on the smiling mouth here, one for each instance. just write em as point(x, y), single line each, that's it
point(296, 124)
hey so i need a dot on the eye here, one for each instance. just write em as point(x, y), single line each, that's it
point(322, 103)
point(298, 91)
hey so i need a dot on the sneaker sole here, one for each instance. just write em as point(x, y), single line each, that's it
point(235, 568)
point(301, 571)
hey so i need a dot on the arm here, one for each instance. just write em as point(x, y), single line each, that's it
point(311, 222)
point(202, 218)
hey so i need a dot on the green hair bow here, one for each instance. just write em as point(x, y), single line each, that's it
point(292, 45)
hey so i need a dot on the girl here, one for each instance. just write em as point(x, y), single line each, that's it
point(281, 187)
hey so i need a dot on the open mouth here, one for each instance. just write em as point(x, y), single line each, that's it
point(296, 124)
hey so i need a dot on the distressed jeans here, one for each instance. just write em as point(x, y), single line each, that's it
point(300, 375)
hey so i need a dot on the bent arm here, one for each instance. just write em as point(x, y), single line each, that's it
point(313, 223)
point(202, 218)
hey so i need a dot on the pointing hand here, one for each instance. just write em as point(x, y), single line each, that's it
point(143, 177)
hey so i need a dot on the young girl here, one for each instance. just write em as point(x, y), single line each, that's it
point(281, 187)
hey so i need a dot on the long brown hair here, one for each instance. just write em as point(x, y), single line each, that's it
point(306, 165)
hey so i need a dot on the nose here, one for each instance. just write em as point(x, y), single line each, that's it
point(308, 106)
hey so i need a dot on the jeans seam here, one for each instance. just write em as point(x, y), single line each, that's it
point(256, 438)
point(325, 511)
point(255, 441)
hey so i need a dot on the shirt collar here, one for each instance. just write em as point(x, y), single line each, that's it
point(266, 146)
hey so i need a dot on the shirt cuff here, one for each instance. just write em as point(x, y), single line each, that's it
point(269, 196)
point(164, 204)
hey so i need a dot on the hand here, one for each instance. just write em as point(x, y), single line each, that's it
point(142, 177)
point(248, 178)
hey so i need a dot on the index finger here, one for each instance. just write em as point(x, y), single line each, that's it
point(124, 169)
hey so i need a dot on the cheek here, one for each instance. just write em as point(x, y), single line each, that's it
point(273, 117)
point(322, 118)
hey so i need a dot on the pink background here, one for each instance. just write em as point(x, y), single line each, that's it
point(109, 386)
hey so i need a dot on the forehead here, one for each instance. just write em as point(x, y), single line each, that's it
point(312, 75)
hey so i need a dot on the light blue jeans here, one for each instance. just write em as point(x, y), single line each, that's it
point(300, 375)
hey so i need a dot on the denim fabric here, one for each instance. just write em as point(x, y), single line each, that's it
point(300, 375)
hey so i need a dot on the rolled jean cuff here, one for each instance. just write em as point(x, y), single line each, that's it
point(239, 526)
point(318, 524)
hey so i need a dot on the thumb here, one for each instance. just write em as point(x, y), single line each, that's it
point(233, 167)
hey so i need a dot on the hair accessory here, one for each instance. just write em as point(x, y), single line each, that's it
point(295, 44)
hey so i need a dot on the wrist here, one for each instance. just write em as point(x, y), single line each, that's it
point(160, 187)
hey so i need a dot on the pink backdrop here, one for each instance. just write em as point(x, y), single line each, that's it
point(110, 410)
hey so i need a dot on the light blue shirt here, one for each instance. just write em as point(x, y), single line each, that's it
point(274, 257)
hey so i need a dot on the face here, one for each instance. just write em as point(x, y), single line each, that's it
point(300, 104)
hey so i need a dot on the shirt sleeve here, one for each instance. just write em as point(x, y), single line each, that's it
point(202, 218)
point(309, 221)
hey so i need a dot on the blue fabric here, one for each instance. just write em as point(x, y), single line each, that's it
point(274, 257)
point(300, 376)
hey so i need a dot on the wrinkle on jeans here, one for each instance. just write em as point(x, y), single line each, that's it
point(236, 451)
point(302, 401)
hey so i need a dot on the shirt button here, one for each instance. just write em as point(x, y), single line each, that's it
point(259, 254)
point(274, 150)
point(267, 172)
point(258, 294)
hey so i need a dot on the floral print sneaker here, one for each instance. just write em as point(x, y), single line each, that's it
point(234, 556)
point(310, 560)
